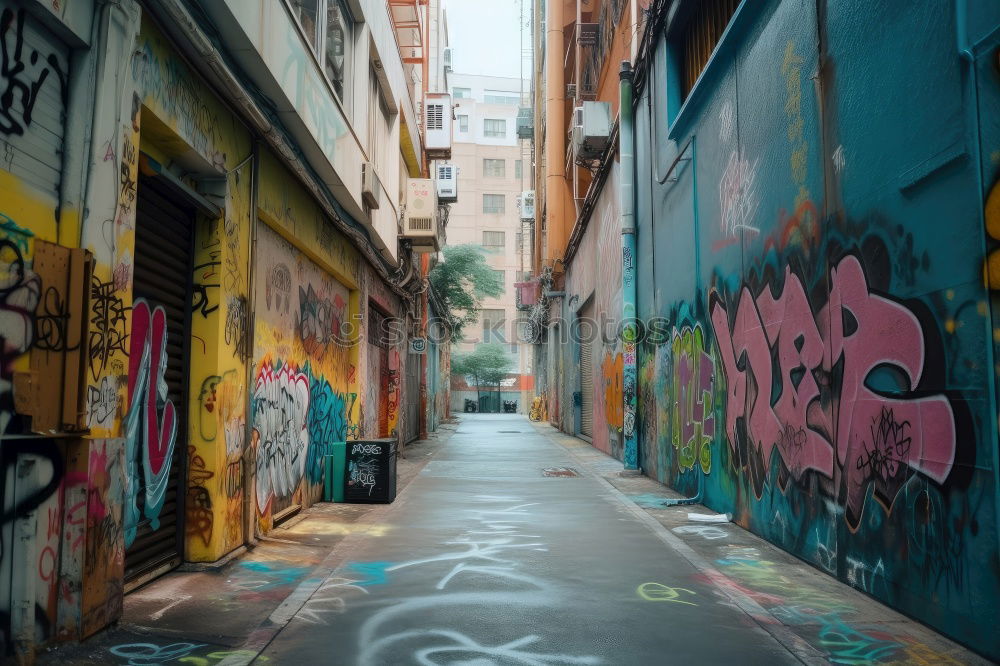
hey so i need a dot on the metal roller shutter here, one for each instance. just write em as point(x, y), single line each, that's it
point(586, 379)
point(163, 268)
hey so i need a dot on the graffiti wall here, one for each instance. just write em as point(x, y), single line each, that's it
point(599, 246)
point(825, 355)
point(302, 396)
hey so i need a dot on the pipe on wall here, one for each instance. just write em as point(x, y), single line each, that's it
point(630, 327)
point(555, 136)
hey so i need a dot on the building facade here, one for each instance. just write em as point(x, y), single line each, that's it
point(793, 290)
point(199, 296)
point(494, 171)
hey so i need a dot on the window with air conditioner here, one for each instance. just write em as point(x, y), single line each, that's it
point(495, 127)
point(493, 168)
point(493, 204)
point(493, 239)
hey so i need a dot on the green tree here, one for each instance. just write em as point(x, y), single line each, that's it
point(487, 365)
point(462, 280)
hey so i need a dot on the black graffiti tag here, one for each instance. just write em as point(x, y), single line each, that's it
point(15, 83)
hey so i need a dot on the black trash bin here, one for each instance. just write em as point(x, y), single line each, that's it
point(370, 473)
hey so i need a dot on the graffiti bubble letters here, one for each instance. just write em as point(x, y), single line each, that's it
point(319, 321)
point(280, 405)
point(151, 421)
point(874, 439)
point(691, 410)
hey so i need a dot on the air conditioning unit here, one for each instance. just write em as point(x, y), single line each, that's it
point(420, 223)
point(528, 205)
point(437, 126)
point(448, 59)
point(371, 187)
point(591, 129)
point(525, 123)
point(447, 183)
point(570, 90)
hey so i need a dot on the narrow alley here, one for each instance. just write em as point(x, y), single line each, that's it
point(512, 544)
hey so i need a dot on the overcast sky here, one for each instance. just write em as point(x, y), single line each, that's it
point(486, 36)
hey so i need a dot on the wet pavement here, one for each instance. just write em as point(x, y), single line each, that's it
point(513, 544)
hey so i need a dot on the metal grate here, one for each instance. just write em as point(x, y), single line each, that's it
point(420, 223)
point(560, 472)
point(702, 34)
point(435, 116)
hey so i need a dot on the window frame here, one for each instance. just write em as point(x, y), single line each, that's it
point(491, 134)
point(502, 237)
point(503, 204)
point(489, 172)
point(463, 123)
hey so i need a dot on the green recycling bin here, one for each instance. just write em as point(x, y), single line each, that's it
point(334, 466)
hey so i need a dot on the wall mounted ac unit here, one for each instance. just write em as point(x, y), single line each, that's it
point(528, 205)
point(570, 90)
point(448, 64)
point(371, 186)
point(591, 129)
point(420, 223)
point(437, 126)
point(447, 183)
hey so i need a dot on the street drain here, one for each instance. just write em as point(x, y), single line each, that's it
point(559, 471)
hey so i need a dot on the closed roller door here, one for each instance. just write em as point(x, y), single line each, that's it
point(586, 377)
point(163, 251)
point(411, 427)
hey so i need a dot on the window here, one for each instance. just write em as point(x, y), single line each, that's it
point(494, 168)
point(493, 321)
point(495, 127)
point(493, 203)
point(502, 279)
point(461, 93)
point(508, 98)
point(330, 38)
point(700, 37)
point(463, 123)
point(339, 34)
point(378, 121)
point(517, 168)
point(306, 11)
point(493, 239)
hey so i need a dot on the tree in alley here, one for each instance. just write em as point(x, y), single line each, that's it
point(488, 365)
point(462, 280)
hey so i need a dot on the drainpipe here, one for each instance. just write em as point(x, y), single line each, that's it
point(555, 136)
point(248, 457)
point(629, 333)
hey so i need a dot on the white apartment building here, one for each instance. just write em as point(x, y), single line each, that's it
point(494, 169)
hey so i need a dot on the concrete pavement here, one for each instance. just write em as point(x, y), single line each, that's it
point(515, 544)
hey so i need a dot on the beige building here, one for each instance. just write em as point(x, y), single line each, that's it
point(494, 170)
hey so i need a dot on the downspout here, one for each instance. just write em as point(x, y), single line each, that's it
point(249, 453)
point(555, 135)
point(630, 331)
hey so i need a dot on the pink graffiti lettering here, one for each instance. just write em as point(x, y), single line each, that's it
point(874, 437)
point(151, 422)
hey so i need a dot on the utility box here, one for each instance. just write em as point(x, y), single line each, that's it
point(528, 205)
point(370, 476)
point(591, 129)
point(447, 183)
point(437, 126)
point(420, 219)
